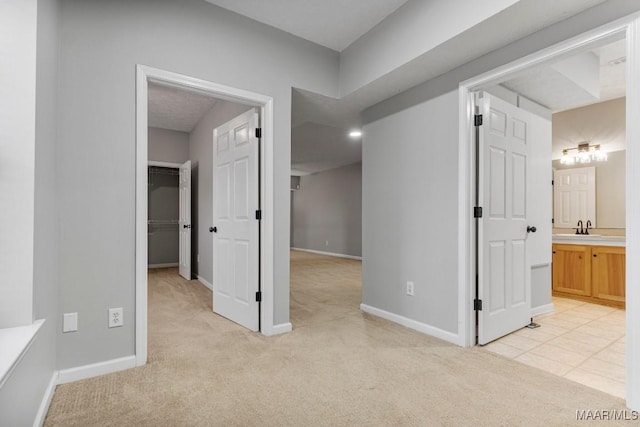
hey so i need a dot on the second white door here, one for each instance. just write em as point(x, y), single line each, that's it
point(235, 224)
point(184, 221)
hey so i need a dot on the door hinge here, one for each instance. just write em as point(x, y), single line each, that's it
point(477, 304)
point(258, 296)
point(553, 183)
point(259, 214)
point(258, 132)
point(553, 220)
point(477, 212)
point(477, 120)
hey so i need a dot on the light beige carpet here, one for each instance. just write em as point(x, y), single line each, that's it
point(338, 367)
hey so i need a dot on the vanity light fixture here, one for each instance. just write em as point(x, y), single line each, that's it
point(583, 153)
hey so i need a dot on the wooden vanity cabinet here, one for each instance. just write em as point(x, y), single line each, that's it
point(572, 269)
point(590, 273)
point(608, 273)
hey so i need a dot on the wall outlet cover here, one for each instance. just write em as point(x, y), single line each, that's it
point(115, 317)
point(69, 322)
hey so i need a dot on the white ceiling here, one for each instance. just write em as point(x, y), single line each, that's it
point(331, 23)
point(316, 147)
point(555, 91)
point(176, 109)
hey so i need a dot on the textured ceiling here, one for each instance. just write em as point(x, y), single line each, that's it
point(176, 109)
point(331, 23)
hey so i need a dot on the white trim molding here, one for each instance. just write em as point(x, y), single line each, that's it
point(281, 328)
point(542, 309)
point(206, 284)
point(144, 75)
point(46, 400)
point(15, 343)
point(96, 369)
point(633, 212)
point(412, 324)
point(312, 251)
point(628, 27)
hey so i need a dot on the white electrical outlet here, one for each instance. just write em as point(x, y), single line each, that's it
point(115, 317)
point(410, 288)
point(198, 257)
point(326, 243)
point(69, 322)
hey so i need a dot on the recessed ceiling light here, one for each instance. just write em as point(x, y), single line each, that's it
point(355, 134)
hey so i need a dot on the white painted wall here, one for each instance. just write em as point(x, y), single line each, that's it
point(327, 211)
point(23, 393)
point(18, 21)
point(410, 205)
point(167, 145)
point(201, 156)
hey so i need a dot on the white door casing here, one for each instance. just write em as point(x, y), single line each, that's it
point(504, 269)
point(184, 221)
point(235, 227)
point(574, 196)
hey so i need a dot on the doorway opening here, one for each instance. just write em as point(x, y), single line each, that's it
point(225, 167)
point(326, 210)
point(480, 303)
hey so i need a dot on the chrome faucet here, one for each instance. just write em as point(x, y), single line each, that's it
point(580, 230)
point(586, 230)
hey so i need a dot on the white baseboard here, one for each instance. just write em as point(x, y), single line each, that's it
point(359, 258)
point(46, 401)
point(166, 265)
point(205, 283)
point(96, 369)
point(281, 328)
point(412, 324)
point(543, 309)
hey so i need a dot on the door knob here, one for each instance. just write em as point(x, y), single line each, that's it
point(213, 229)
point(531, 229)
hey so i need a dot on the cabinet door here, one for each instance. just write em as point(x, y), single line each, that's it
point(608, 272)
point(572, 269)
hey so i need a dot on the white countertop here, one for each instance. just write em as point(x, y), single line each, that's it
point(589, 239)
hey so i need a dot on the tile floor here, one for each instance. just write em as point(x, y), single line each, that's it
point(580, 341)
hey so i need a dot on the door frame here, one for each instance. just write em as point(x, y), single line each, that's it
point(628, 27)
point(144, 75)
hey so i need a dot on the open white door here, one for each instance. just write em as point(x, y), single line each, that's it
point(184, 222)
point(504, 271)
point(235, 220)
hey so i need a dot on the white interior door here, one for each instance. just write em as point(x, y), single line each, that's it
point(574, 196)
point(504, 268)
point(184, 222)
point(235, 225)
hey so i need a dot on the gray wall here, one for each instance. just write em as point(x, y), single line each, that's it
point(101, 43)
point(604, 123)
point(201, 155)
point(410, 170)
point(163, 204)
point(21, 395)
point(327, 211)
point(167, 145)
point(410, 205)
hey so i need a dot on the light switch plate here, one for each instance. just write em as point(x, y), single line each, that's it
point(69, 322)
